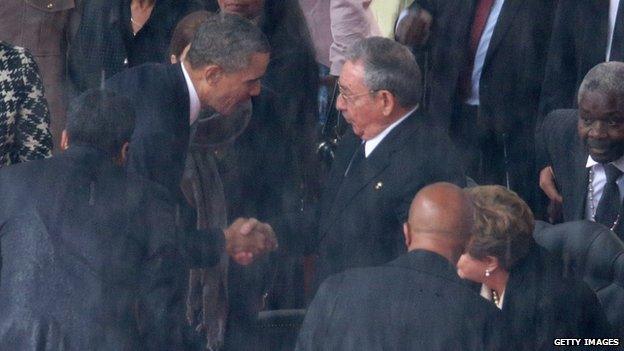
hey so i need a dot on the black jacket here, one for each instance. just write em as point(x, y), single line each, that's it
point(161, 136)
point(360, 217)
point(540, 306)
point(416, 302)
point(578, 43)
point(104, 41)
point(82, 247)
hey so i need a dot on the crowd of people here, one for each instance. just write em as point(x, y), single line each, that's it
point(394, 174)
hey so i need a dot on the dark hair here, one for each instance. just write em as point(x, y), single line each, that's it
point(102, 119)
point(185, 30)
point(390, 66)
point(227, 41)
point(503, 225)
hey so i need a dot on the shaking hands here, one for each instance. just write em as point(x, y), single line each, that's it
point(247, 239)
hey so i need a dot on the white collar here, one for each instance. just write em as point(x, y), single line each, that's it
point(619, 163)
point(372, 143)
point(193, 97)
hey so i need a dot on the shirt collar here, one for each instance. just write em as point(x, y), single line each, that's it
point(619, 163)
point(193, 97)
point(372, 143)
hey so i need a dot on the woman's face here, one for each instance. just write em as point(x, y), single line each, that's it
point(471, 268)
point(249, 9)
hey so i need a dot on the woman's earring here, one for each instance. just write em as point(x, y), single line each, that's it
point(487, 272)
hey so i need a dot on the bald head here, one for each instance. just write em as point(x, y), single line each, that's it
point(440, 220)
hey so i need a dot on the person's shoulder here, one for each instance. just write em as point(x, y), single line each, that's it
point(15, 57)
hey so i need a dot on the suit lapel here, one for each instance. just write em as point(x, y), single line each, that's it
point(504, 22)
point(581, 180)
point(367, 171)
point(336, 177)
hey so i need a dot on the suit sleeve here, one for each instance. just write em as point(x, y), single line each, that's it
point(319, 315)
point(169, 252)
point(32, 137)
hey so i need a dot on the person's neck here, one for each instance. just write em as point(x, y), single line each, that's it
point(443, 248)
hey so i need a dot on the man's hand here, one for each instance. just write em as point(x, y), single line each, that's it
point(547, 184)
point(247, 238)
point(414, 28)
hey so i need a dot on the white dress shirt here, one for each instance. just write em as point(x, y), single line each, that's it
point(482, 49)
point(372, 143)
point(599, 179)
point(613, 9)
point(195, 106)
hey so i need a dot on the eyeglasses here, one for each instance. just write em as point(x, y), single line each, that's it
point(350, 98)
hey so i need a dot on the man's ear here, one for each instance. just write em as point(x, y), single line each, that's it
point(64, 140)
point(212, 74)
point(123, 153)
point(406, 235)
point(388, 100)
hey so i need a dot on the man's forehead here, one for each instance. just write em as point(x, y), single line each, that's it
point(352, 74)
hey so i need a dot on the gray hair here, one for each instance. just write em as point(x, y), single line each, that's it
point(606, 78)
point(390, 66)
point(227, 41)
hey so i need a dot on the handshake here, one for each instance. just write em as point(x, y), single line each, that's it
point(247, 239)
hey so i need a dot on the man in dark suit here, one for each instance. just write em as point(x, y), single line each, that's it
point(585, 149)
point(227, 58)
point(416, 302)
point(389, 155)
point(486, 65)
point(585, 33)
point(80, 242)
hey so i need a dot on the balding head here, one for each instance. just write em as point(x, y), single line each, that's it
point(440, 220)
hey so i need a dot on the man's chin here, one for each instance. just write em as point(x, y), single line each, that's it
point(604, 155)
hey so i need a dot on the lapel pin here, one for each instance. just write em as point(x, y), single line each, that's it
point(379, 185)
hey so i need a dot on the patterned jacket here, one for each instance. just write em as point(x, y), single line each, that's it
point(24, 115)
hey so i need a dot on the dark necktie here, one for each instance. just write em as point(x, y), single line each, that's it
point(356, 159)
point(482, 13)
point(610, 203)
point(617, 43)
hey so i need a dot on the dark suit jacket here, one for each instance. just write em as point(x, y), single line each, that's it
point(360, 216)
point(416, 302)
point(539, 305)
point(568, 157)
point(161, 136)
point(513, 71)
point(579, 42)
point(104, 39)
point(81, 245)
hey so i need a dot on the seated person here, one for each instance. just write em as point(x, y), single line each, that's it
point(522, 279)
point(80, 241)
point(585, 151)
point(416, 302)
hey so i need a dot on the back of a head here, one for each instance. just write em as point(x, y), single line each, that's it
point(388, 66)
point(503, 225)
point(185, 31)
point(101, 119)
point(441, 212)
point(606, 78)
point(227, 41)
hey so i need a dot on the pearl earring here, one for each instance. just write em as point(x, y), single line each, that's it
point(487, 272)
